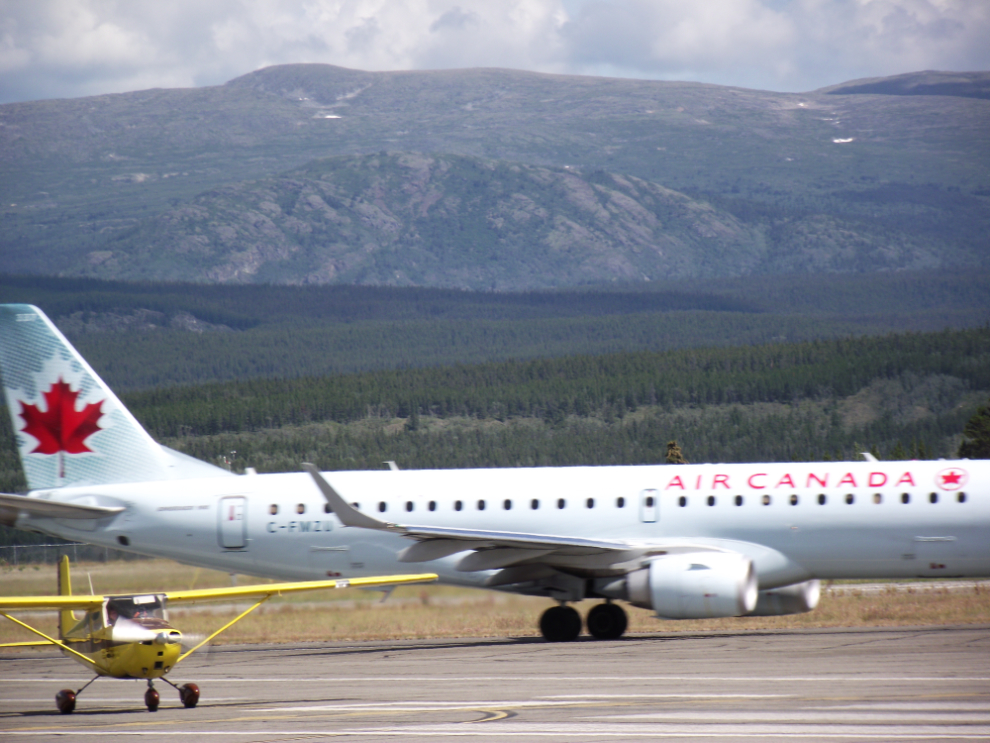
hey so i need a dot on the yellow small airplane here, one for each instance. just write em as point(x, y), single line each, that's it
point(129, 637)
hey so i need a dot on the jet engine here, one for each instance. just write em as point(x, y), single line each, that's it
point(697, 585)
point(794, 599)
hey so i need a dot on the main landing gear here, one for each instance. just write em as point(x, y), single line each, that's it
point(65, 700)
point(562, 623)
point(188, 695)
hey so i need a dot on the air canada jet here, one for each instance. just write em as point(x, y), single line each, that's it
point(685, 541)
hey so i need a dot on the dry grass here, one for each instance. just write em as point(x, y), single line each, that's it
point(442, 611)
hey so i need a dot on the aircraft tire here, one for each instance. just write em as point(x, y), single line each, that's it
point(189, 695)
point(65, 700)
point(151, 699)
point(560, 624)
point(607, 622)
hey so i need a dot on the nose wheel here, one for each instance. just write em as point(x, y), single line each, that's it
point(151, 698)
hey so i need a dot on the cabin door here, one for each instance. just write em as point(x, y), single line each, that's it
point(233, 524)
point(649, 505)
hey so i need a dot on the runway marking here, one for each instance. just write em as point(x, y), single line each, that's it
point(462, 679)
point(668, 696)
point(568, 732)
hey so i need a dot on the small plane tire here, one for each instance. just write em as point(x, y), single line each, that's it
point(65, 700)
point(607, 621)
point(189, 695)
point(560, 624)
point(151, 699)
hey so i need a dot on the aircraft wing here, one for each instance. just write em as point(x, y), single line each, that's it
point(496, 549)
point(23, 603)
point(263, 590)
point(55, 509)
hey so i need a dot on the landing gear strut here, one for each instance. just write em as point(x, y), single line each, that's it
point(607, 622)
point(560, 624)
point(65, 700)
point(188, 693)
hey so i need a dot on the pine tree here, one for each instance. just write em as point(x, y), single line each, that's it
point(977, 436)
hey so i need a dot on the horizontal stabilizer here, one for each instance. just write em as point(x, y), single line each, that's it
point(45, 508)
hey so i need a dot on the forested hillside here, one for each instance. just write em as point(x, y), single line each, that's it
point(898, 394)
point(142, 335)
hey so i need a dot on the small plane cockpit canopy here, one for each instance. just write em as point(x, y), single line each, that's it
point(150, 606)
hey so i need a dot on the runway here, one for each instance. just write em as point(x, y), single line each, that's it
point(822, 685)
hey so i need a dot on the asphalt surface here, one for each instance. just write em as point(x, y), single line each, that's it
point(824, 685)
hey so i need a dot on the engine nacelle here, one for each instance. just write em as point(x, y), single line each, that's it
point(794, 599)
point(698, 585)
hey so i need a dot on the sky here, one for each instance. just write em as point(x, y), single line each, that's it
point(72, 48)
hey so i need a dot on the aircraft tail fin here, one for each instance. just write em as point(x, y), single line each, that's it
point(70, 427)
point(66, 617)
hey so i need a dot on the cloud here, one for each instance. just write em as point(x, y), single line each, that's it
point(63, 48)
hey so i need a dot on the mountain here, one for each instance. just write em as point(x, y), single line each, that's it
point(166, 183)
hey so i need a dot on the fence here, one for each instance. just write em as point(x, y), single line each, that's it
point(33, 554)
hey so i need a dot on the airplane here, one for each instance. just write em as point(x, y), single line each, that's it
point(685, 540)
point(129, 637)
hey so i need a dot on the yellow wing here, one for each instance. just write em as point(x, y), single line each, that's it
point(24, 603)
point(264, 590)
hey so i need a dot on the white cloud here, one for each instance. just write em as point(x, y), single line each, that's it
point(53, 48)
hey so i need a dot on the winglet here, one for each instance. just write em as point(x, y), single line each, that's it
point(348, 515)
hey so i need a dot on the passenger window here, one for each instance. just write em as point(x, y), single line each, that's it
point(357, 506)
point(850, 498)
point(534, 504)
point(933, 497)
point(590, 503)
point(905, 497)
point(620, 502)
point(711, 500)
point(649, 501)
point(301, 508)
point(878, 498)
point(409, 505)
point(766, 500)
point(507, 504)
point(961, 497)
point(382, 507)
point(481, 505)
point(739, 500)
point(433, 505)
point(561, 503)
point(273, 509)
point(822, 500)
point(326, 508)
point(794, 500)
point(458, 505)
point(682, 501)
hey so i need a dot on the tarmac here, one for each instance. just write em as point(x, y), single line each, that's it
point(810, 685)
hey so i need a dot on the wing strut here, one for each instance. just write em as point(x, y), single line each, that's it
point(228, 625)
point(52, 640)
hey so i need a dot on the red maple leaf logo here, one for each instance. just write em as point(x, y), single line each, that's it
point(61, 428)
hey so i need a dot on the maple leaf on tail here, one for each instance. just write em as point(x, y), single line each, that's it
point(61, 428)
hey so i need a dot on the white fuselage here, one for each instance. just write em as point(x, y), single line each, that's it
point(878, 520)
